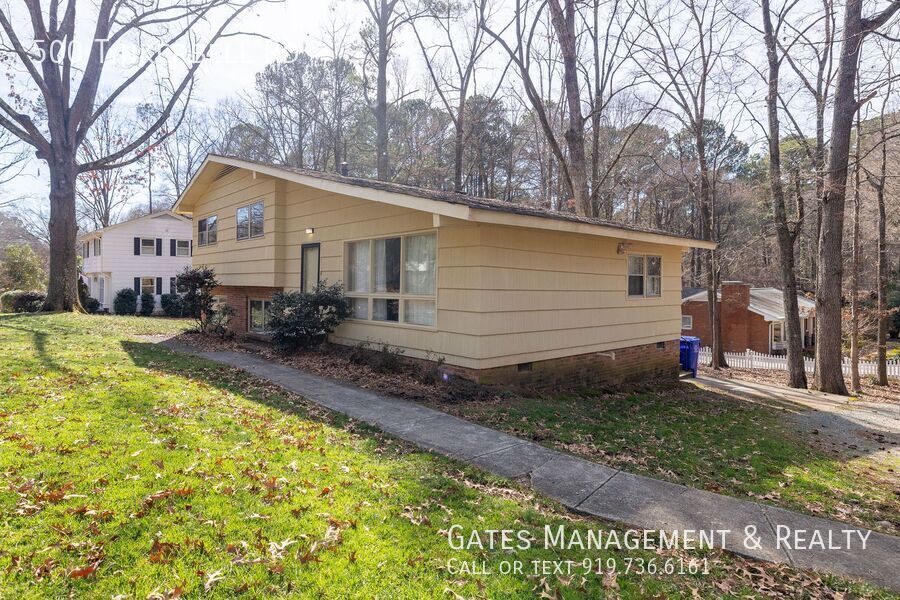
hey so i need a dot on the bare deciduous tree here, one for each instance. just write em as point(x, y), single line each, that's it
point(829, 280)
point(57, 103)
point(786, 231)
point(102, 194)
point(683, 52)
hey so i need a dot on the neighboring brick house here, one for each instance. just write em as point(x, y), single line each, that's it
point(752, 318)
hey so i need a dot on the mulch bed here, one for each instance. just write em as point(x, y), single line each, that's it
point(363, 368)
point(870, 392)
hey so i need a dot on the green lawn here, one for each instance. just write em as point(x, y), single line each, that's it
point(130, 471)
point(707, 440)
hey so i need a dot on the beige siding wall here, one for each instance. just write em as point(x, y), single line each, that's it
point(505, 295)
point(537, 295)
point(244, 262)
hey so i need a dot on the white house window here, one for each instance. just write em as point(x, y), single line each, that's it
point(206, 231)
point(777, 336)
point(687, 322)
point(259, 316)
point(182, 248)
point(148, 246)
point(393, 279)
point(97, 247)
point(644, 276)
point(148, 285)
point(84, 250)
point(250, 221)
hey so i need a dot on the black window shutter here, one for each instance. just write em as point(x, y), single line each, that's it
point(172, 247)
point(137, 284)
point(192, 247)
point(159, 286)
point(137, 246)
point(173, 288)
point(159, 246)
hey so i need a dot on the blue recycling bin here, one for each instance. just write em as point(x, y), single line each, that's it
point(690, 353)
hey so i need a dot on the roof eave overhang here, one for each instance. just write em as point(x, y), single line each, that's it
point(518, 220)
point(204, 177)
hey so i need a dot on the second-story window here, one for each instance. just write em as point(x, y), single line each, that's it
point(182, 248)
point(206, 231)
point(148, 246)
point(250, 221)
point(97, 247)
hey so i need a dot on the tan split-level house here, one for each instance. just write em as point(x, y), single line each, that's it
point(503, 292)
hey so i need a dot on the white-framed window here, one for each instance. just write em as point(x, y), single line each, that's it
point(84, 250)
point(148, 246)
point(148, 285)
point(96, 246)
point(250, 220)
point(393, 279)
point(644, 276)
point(258, 320)
point(687, 322)
point(207, 230)
point(777, 335)
point(182, 248)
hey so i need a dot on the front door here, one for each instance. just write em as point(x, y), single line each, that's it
point(309, 267)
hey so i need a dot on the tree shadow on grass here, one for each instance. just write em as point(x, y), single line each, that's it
point(703, 440)
point(38, 338)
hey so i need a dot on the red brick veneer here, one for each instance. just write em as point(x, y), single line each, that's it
point(237, 298)
point(623, 365)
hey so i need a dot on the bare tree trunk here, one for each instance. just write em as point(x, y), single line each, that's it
point(883, 273)
point(564, 24)
point(854, 275)
point(381, 107)
point(829, 376)
point(458, 143)
point(62, 290)
point(829, 278)
point(786, 238)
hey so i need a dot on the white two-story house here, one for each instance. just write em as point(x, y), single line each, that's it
point(144, 254)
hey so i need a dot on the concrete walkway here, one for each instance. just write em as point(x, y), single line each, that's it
point(594, 489)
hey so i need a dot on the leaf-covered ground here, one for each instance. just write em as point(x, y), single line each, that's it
point(707, 440)
point(128, 471)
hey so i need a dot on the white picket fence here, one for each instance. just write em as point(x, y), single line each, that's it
point(755, 360)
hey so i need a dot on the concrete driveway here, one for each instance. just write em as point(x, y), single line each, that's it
point(853, 426)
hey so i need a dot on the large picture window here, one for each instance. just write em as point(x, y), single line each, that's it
point(207, 231)
point(250, 221)
point(393, 279)
point(644, 276)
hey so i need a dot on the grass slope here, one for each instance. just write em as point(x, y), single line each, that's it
point(707, 440)
point(129, 471)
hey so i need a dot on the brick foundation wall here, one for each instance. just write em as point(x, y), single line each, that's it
point(623, 365)
point(237, 297)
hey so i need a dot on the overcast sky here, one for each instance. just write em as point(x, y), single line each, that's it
point(289, 25)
